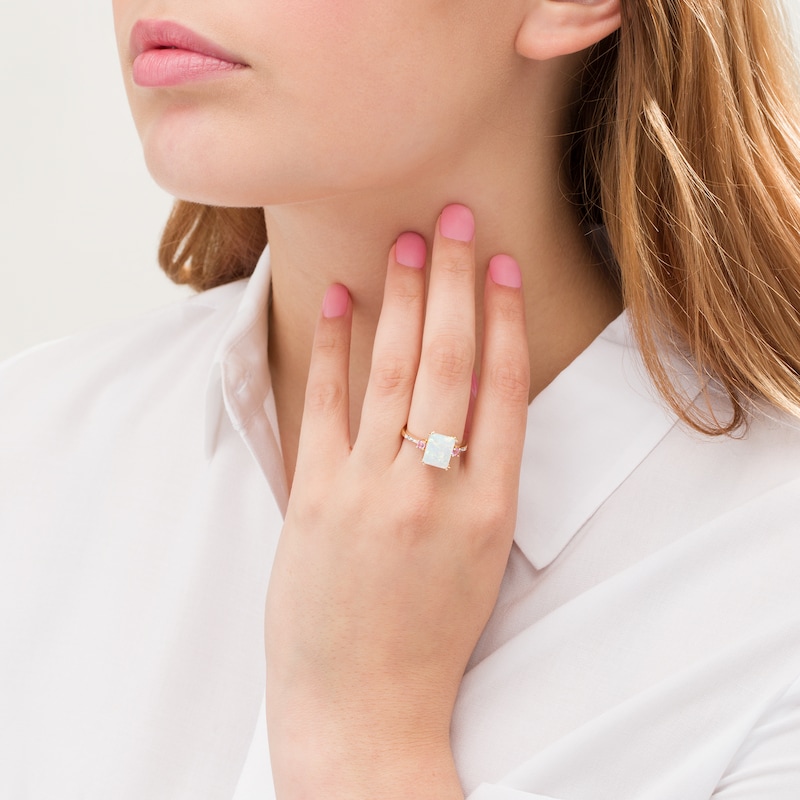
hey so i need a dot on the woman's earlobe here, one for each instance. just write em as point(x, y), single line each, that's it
point(554, 28)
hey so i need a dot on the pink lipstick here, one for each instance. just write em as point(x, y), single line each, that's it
point(167, 54)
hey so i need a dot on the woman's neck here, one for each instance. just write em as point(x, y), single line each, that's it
point(569, 299)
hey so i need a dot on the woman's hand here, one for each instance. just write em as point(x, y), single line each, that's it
point(388, 569)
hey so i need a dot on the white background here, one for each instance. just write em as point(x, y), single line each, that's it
point(80, 218)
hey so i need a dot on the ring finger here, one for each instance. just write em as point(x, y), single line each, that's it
point(444, 379)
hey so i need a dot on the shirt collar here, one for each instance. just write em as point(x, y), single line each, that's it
point(240, 382)
point(587, 431)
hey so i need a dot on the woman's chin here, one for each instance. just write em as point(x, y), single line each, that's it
point(219, 185)
point(236, 187)
point(200, 175)
point(198, 164)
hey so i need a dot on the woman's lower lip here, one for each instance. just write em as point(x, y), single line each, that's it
point(172, 67)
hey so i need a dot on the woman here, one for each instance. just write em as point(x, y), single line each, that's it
point(587, 589)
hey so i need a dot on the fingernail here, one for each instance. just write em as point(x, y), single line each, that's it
point(505, 272)
point(457, 223)
point(410, 250)
point(474, 384)
point(335, 302)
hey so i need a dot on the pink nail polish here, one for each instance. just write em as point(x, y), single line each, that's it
point(505, 272)
point(335, 302)
point(457, 223)
point(410, 250)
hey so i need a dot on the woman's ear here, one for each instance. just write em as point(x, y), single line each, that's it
point(559, 27)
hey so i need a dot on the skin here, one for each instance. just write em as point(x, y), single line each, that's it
point(354, 122)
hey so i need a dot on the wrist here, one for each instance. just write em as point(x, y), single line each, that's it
point(354, 759)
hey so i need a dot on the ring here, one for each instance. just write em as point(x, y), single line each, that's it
point(439, 449)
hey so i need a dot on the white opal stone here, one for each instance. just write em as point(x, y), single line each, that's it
point(439, 450)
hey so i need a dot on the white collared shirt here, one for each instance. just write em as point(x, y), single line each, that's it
point(645, 645)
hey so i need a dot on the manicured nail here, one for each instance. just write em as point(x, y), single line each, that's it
point(505, 272)
point(410, 250)
point(457, 223)
point(335, 302)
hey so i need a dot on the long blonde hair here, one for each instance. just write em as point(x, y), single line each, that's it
point(686, 149)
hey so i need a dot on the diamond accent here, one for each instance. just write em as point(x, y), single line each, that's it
point(439, 450)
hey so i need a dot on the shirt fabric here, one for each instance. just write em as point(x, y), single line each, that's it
point(645, 644)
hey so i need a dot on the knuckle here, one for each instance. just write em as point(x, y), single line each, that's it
point(417, 518)
point(417, 513)
point(408, 298)
point(494, 514)
point(309, 510)
point(495, 517)
point(392, 375)
point(509, 379)
point(455, 260)
point(451, 358)
point(324, 398)
point(508, 307)
point(329, 340)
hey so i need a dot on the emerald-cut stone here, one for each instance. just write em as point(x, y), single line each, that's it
point(439, 450)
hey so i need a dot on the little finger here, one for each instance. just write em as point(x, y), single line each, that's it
point(501, 407)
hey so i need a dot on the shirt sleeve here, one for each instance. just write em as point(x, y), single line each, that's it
point(488, 792)
point(765, 767)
